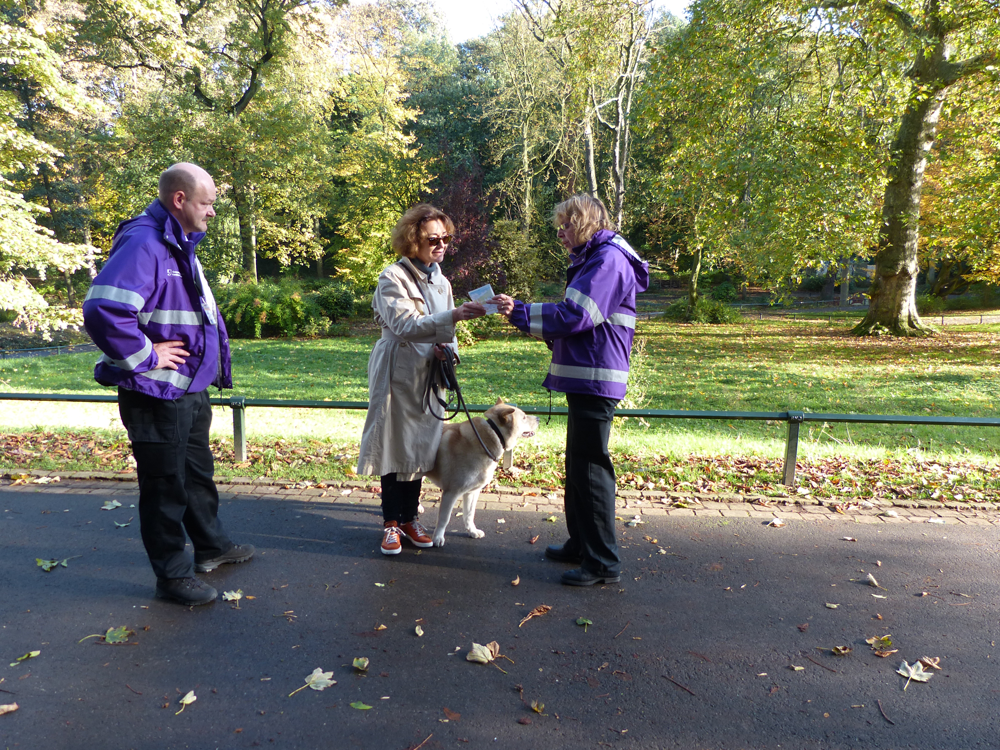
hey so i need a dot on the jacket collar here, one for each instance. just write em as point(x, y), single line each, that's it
point(171, 228)
point(601, 236)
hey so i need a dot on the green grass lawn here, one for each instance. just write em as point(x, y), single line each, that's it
point(755, 366)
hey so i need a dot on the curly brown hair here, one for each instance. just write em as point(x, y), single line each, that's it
point(406, 235)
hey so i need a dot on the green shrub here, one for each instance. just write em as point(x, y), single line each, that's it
point(724, 292)
point(813, 283)
point(336, 299)
point(705, 311)
point(269, 309)
point(929, 304)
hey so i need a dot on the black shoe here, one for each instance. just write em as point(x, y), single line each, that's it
point(239, 553)
point(559, 553)
point(581, 577)
point(188, 591)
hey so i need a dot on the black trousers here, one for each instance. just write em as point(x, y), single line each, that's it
point(177, 493)
point(399, 499)
point(590, 483)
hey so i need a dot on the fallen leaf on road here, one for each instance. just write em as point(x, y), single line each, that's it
point(849, 539)
point(233, 596)
point(776, 523)
point(187, 700)
point(795, 668)
point(538, 611)
point(887, 653)
point(538, 707)
point(533, 539)
point(585, 622)
point(452, 715)
point(111, 505)
point(552, 519)
point(361, 663)
point(118, 635)
point(872, 582)
point(804, 627)
point(516, 581)
point(419, 631)
point(913, 671)
point(360, 706)
point(6, 708)
point(931, 662)
point(879, 641)
point(317, 680)
point(831, 606)
point(50, 565)
point(29, 655)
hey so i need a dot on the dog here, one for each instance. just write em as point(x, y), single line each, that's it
point(462, 468)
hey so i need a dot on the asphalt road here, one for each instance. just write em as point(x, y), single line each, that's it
point(692, 650)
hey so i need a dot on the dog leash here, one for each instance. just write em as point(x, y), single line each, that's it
point(450, 382)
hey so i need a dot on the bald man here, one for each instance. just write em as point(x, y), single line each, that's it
point(152, 314)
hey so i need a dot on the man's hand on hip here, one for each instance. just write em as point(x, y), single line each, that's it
point(170, 355)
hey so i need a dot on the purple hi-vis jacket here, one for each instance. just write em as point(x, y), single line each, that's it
point(153, 289)
point(591, 330)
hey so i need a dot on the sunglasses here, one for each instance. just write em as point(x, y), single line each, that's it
point(444, 239)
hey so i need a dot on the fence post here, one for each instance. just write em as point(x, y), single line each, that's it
point(238, 405)
point(795, 418)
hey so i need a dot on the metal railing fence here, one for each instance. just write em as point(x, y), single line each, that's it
point(795, 419)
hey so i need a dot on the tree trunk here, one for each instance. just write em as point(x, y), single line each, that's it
point(693, 280)
point(893, 306)
point(526, 168)
point(845, 284)
point(248, 230)
point(588, 135)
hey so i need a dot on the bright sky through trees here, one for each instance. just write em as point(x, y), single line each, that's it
point(468, 20)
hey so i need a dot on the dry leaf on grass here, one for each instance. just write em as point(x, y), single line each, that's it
point(538, 611)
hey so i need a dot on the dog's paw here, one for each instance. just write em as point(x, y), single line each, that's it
point(476, 533)
point(438, 539)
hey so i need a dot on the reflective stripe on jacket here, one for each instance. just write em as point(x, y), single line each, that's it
point(153, 289)
point(591, 330)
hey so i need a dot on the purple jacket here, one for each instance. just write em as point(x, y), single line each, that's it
point(591, 330)
point(153, 289)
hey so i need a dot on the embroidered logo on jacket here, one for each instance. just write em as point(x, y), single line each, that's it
point(173, 272)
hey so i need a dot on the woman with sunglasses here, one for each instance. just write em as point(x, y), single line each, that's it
point(590, 333)
point(415, 309)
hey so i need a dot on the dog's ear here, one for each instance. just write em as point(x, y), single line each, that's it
point(505, 413)
point(499, 401)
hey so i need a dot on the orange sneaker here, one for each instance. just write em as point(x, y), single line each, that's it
point(391, 545)
point(416, 534)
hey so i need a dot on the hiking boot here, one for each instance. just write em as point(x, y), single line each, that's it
point(188, 591)
point(416, 534)
point(237, 554)
point(391, 545)
point(581, 577)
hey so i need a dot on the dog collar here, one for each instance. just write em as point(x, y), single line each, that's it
point(490, 422)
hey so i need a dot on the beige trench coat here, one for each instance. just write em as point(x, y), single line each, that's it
point(399, 436)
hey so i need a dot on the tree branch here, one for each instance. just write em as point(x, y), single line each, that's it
point(951, 72)
point(903, 19)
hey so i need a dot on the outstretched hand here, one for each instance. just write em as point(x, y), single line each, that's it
point(504, 303)
point(467, 311)
point(170, 355)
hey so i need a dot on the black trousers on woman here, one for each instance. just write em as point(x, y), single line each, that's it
point(399, 499)
point(590, 483)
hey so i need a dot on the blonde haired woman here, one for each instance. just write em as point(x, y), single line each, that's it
point(590, 333)
point(415, 309)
